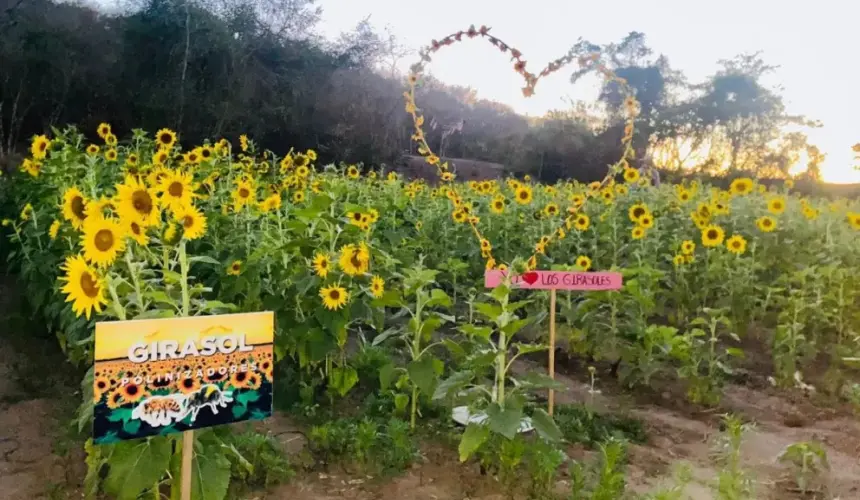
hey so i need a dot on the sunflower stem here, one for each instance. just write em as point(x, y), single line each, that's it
point(183, 266)
point(117, 305)
point(134, 279)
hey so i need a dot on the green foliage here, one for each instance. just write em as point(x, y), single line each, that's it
point(579, 424)
point(733, 481)
point(542, 461)
point(604, 480)
point(257, 460)
point(373, 446)
point(705, 360)
point(807, 461)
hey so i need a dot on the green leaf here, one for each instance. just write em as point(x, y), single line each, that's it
point(245, 397)
point(536, 380)
point(474, 436)
point(119, 415)
point(489, 311)
point(211, 305)
point(545, 426)
point(210, 473)
point(483, 332)
point(156, 313)
point(422, 374)
point(438, 297)
point(452, 384)
point(238, 411)
point(530, 348)
point(456, 350)
point(204, 258)
point(131, 427)
point(400, 402)
point(342, 379)
point(386, 376)
point(135, 466)
point(504, 421)
point(516, 325)
point(390, 298)
point(429, 326)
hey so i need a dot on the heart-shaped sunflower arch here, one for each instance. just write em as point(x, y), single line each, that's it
point(588, 62)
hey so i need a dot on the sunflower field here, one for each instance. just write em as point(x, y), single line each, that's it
point(347, 256)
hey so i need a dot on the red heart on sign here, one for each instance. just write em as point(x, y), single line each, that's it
point(530, 277)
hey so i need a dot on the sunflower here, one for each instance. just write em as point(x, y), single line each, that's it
point(766, 224)
point(531, 264)
point(298, 196)
point(131, 160)
point(447, 176)
point(137, 232)
point(582, 222)
point(712, 236)
point(54, 230)
point(776, 205)
point(551, 210)
point(26, 212)
point(205, 152)
point(608, 195)
point(74, 207)
point(638, 232)
point(741, 186)
point(161, 157)
point(114, 400)
point(459, 216)
point(354, 260)
point(523, 195)
point(243, 142)
point(303, 171)
point(165, 138)
point(33, 168)
point(83, 286)
point(810, 213)
point(789, 183)
point(486, 246)
point(39, 147)
point(583, 263)
point(497, 206)
point(736, 244)
point(621, 189)
point(637, 212)
point(321, 264)
point(631, 175)
point(688, 247)
point(110, 140)
point(254, 381)
point(103, 130)
point(102, 240)
point(678, 260)
point(377, 286)
point(235, 269)
point(684, 195)
point(92, 150)
point(273, 202)
point(239, 380)
point(134, 202)
point(577, 200)
point(193, 222)
point(334, 297)
point(99, 208)
point(188, 385)
point(100, 386)
point(175, 189)
point(854, 220)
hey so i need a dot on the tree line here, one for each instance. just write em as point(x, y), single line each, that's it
point(221, 68)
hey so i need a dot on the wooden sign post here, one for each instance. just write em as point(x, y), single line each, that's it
point(552, 281)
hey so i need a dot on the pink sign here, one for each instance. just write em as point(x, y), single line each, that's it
point(559, 280)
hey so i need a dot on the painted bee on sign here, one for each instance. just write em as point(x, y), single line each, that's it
point(165, 410)
point(208, 395)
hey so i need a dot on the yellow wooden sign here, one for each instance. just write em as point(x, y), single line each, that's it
point(159, 376)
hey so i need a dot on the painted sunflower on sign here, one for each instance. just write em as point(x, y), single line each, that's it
point(102, 240)
point(83, 287)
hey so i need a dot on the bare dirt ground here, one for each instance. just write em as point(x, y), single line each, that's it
point(38, 461)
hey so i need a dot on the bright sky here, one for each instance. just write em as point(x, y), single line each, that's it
point(811, 42)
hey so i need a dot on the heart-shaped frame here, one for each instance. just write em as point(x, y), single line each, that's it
point(587, 62)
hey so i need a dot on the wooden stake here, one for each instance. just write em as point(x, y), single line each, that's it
point(187, 456)
point(551, 346)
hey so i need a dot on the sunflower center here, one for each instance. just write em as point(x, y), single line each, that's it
point(104, 240)
point(638, 212)
point(175, 189)
point(241, 376)
point(334, 295)
point(131, 389)
point(712, 234)
point(205, 153)
point(767, 222)
point(101, 384)
point(244, 192)
point(357, 216)
point(355, 260)
point(78, 207)
point(188, 222)
point(142, 201)
point(188, 383)
point(523, 195)
point(135, 228)
point(235, 267)
point(165, 138)
point(323, 264)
